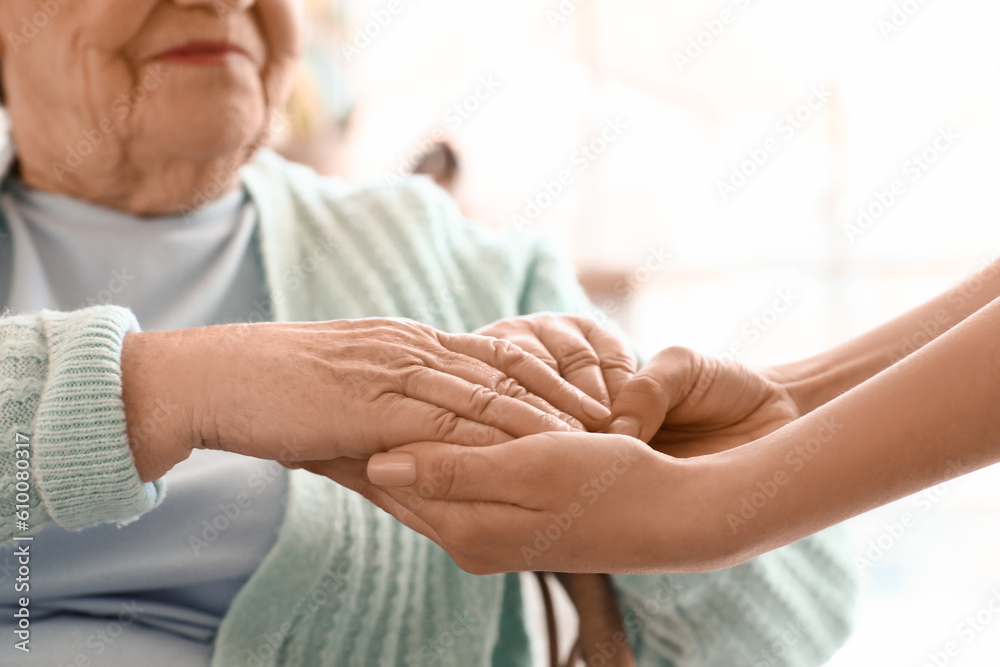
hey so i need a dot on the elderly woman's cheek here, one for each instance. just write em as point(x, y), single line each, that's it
point(111, 24)
point(282, 25)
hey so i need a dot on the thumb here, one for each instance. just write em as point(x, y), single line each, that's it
point(644, 401)
point(440, 471)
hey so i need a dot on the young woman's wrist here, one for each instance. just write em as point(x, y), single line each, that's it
point(693, 497)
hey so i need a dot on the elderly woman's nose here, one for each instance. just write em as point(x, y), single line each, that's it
point(220, 5)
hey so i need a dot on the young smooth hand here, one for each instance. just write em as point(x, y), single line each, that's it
point(685, 404)
point(562, 502)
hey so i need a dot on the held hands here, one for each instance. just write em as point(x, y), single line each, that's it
point(317, 391)
point(576, 502)
point(537, 492)
point(682, 403)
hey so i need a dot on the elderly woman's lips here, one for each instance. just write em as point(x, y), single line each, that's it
point(202, 53)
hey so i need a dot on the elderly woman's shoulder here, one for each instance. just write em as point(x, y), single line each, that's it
point(416, 203)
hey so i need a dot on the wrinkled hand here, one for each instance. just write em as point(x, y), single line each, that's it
point(580, 351)
point(685, 404)
point(562, 502)
point(308, 391)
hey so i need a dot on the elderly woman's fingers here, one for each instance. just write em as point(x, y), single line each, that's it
point(477, 372)
point(429, 422)
point(534, 347)
point(618, 363)
point(427, 390)
point(557, 341)
point(589, 356)
point(577, 360)
point(532, 373)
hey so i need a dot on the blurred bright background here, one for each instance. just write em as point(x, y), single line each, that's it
point(740, 140)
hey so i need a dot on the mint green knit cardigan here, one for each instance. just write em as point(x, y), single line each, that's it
point(345, 584)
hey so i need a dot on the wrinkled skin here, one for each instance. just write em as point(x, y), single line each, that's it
point(584, 354)
point(348, 388)
point(152, 135)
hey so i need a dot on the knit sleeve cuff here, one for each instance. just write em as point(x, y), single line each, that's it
point(81, 456)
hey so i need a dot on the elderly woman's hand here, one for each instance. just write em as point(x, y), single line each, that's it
point(316, 391)
point(579, 350)
point(686, 404)
point(562, 502)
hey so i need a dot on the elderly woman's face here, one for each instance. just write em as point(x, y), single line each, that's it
point(148, 79)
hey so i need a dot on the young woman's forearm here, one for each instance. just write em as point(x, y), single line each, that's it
point(814, 381)
point(931, 417)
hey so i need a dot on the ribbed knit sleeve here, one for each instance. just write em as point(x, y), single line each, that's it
point(61, 402)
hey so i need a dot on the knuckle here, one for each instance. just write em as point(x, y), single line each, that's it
point(506, 351)
point(507, 386)
point(446, 425)
point(619, 360)
point(410, 376)
point(582, 323)
point(646, 386)
point(578, 359)
point(481, 435)
point(483, 402)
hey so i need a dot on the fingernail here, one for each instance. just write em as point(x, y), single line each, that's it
point(392, 469)
point(594, 410)
point(625, 426)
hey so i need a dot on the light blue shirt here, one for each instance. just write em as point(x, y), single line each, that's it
point(152, 592)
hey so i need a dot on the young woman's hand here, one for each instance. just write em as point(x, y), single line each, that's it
point(561, 502)
point(316, 391)
point(685, 404)
point(579, 350)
